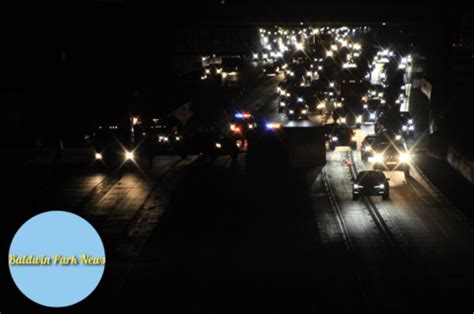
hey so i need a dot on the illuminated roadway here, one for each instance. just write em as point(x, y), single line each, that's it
point(273, 241)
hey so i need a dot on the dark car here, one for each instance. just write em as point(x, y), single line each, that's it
point(371, 183)
point(342, 135)
point(366, 150)
point(407, 125)
point(390, 154)
point(297, 109)
point(371, 110)
point(270, 69)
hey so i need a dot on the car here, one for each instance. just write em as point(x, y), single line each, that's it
point(342, 135)
point(297, 109)
point(390, 154)
point(371, 110)
point(366, 147)
point(297, 112)
point(371, 183)
point(408, 127)
point(241, 124)
point(270, 69)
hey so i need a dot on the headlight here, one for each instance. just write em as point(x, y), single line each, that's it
point(398, 137)
point(304, 111)
point(367, 148)
point(218, 145)
point(376, 158)
point(321, 105)
point(98, 156)
point(365, 106)
point(372, 116)
point(232, 127)
point(291, 112)
point(410, 121)
point(162, 138)
point(343, 120)
point(357, 186)
point(208, 71)
point(282, 104)
point(359, 119)
point(282, 93)
point(334, 138)
point(411, 128)
point(309, 73)
point(380, 186)
point(129, 155)
point(219, 71)
point(299, 99)
point(404, 128)
point(250, 126)
point(404, 157)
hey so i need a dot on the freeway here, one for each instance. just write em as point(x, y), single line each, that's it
point(207, 234)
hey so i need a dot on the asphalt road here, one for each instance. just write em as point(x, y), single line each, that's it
point(205, 235)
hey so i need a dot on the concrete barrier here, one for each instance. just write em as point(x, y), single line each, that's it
point(462, 163)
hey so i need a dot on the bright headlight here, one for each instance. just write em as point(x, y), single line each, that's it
point(291, 112)
point(376, 158)
point(282, 104)
point(356, 186)
point(410, 121)
point(404, 128)
point(304, 111)
point(334, 138)
point(359, 119)
point(411, 128)
point(343, 120)
point(98, 156)
point(129, 155)
point(367, 148)
point(404, 157)
point(299, 99)
point(218, 145)
point(380, 186)
point(365, 106)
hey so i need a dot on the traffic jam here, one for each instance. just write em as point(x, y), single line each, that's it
point(282, 158)
point(335, 77)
